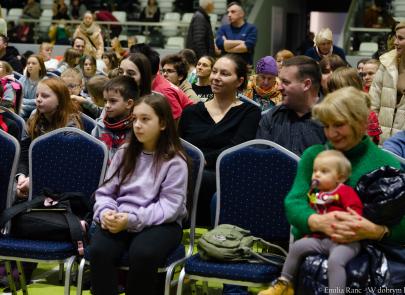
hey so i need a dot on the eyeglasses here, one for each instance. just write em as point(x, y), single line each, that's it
point(168, 71)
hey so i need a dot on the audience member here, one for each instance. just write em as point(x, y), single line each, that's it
point(137, 66)
point(140, 207)
point(238, 36)
point(76, 9)
point(370, 68)
point(60, 10)
point(9, 54)
point(110, 60)
point(10, 87)
point(203, 85)
point(150, 13)
point(200, 37)
point(360, 65)
point(35, 72)
point(396, 144)
point(174, 69)
point(114, 128)
point(345, 77)
point(290, 124)
point(178, 100)
point(31, 10)
point(388, 87)
point(263, 87)
point(329, 64)
point(7, 122)
point(117, 48)
point(95, 87)
point(3, 23)
point(54, 109)
point(324, 46)
point(59, 33)
point(343, 114)
point(281, 56)
point(219, 123)
point(71, 59)
point(45, 50)
point(327, 193)
point(89, 31)
point(79, 44)
point(307, 43)
point(191, 58)
point(88, 67)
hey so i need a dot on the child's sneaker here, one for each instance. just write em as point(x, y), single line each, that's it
point(280, 287)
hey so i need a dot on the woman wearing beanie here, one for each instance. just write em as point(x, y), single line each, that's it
point(263, 87)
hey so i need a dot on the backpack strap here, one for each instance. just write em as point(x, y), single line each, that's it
point(272, 258)
point(77, 232)
point(16, 209)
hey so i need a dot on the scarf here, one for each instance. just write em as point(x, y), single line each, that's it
point(270, 94)
point(120, 125)
point(88, 30)
point(323, 55)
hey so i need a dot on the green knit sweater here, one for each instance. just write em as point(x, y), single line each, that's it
point(365, 157)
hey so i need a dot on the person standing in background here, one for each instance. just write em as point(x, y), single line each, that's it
point(238, 37)
point(200, 37)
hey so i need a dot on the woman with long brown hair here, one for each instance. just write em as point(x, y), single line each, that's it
point(54, 109)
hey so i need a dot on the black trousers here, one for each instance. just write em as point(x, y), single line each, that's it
point(147, 249)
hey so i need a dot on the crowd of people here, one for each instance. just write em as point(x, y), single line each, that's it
point(212, 94)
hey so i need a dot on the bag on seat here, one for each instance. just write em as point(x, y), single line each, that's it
point(229, 243)
point(51, 216)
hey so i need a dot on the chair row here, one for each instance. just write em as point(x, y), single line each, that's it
point(69, 159)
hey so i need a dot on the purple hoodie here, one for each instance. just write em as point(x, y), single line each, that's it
point(150, 198)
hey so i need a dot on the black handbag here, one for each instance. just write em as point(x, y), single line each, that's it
point(382, 193)
point(51, 216)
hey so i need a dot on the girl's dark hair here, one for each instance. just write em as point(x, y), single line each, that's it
point(144, 67)
point(70, 57)
point(112, 57)
point(241, 68)
point(179, 64)
point(125, 86)
point(91, 58)
point(168, 144)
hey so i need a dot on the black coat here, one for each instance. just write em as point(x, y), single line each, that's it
point(200, 37)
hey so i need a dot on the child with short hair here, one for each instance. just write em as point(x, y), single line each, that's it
point(328, 193)
point(142, 203)
point(114, 127)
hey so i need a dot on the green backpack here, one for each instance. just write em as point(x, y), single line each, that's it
point(229, 243)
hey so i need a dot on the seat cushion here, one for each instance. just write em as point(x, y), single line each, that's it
point(43, 250)
point(251, 272)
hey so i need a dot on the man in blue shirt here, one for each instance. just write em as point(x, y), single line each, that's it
point(238, 36)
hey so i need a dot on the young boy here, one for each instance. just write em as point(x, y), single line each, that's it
point(115, 124)
point(327, 194)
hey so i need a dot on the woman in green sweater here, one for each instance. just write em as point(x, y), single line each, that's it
point(344, 116)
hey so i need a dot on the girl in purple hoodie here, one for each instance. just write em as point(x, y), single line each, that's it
point(142, 203)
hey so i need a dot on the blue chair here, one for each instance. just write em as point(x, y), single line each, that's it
point(246, 99)
point(88, 123)
point(181, 253)
point(64, 160)
point(252, 180)
point(19, 120)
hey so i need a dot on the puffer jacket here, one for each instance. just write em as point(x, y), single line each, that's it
point(383, 94)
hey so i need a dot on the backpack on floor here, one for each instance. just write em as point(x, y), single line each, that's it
point(229, 243)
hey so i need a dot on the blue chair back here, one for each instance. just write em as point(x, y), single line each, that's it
point(253, 179)
point(197, 169)
point(246, 99)
point(18, 120)
point(9, 154)
point(66, 160)
point(88, 123)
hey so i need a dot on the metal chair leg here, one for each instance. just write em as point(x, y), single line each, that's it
point(10, 278)
point(21, 277)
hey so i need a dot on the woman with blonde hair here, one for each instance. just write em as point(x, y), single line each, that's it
point(91, 33)
point(345, 77)
point(388, 87)
point(3, 24)
point(343, 114)
point(324, 46)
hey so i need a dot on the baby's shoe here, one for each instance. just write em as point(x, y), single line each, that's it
point(279, 287)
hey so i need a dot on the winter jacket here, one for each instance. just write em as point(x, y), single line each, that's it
point(200, 37)
point(383, 92)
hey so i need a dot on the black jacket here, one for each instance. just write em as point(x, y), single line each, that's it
point(12, 59)
point(200, 37)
